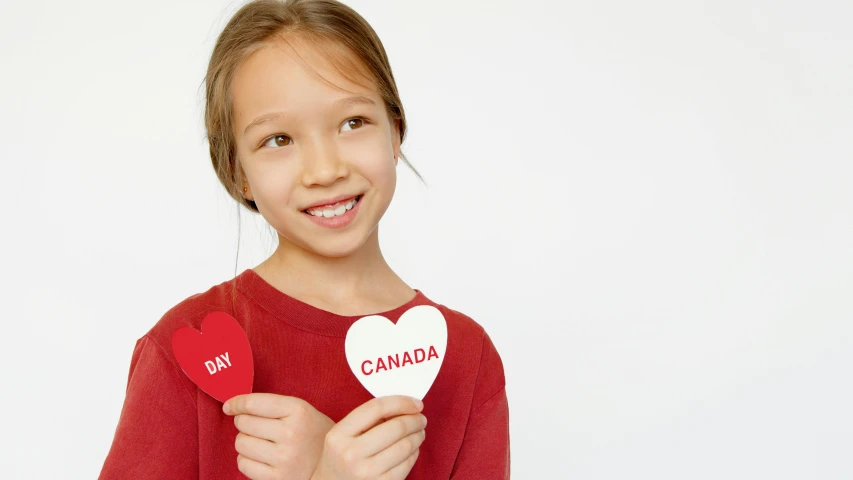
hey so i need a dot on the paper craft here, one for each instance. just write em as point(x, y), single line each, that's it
point(218, 358)
point(398, 359)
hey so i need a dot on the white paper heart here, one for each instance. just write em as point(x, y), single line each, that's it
point(398, 359)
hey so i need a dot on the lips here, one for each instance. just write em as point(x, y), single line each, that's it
point(331, 202)
point(339, 217)
point(336, 209)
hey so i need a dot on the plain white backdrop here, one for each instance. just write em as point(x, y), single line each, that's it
point(647, 205)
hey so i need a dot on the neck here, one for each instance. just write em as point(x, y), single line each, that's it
point(364, 273)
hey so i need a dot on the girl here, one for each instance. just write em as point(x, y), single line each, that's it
point(305, 124)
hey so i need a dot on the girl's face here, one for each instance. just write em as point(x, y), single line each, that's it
point(320, 145)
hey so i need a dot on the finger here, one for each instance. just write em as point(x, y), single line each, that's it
point(254, 448)
point(366, 415)
point(268, 405)
point(402, 469)
point(388, 433)
point(260, 427)
point(254, 469)
point(397, 452)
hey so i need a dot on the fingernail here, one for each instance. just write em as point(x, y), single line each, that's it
point(225, 408)
point(418, 403)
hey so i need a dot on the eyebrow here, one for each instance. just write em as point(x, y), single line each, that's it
point(340, 103)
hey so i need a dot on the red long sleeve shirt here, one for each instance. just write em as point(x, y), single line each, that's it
point(170, 429)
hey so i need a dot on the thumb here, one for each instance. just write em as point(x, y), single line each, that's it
point(269, 405)
point(230, 405)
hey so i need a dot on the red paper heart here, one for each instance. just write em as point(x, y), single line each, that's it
point(218, 359)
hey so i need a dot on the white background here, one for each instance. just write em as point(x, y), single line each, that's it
point(646, 204)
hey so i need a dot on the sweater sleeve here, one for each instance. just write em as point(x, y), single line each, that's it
point(157, 432)
point(485, 448)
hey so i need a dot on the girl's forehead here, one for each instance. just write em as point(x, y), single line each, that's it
point(278, 74)
point(305, 82)
point(302, 62)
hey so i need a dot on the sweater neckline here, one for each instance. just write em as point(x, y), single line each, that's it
point(308, 317)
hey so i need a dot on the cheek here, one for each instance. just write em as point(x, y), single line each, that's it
point(383, 175)
point(377, 165)
point(274, 183)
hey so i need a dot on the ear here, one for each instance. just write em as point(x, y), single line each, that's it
point(396, 141)
point(244, 183)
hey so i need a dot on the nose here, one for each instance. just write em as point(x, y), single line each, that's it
point(322, 165)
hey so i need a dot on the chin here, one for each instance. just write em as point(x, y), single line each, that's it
point(336, 246)
point(335, 249)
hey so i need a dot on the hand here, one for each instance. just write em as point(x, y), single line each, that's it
point(365, 446)
point(280, 437)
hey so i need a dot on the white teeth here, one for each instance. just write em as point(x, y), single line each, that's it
point(329, 213)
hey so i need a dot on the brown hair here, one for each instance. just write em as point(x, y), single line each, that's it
point(334, 28)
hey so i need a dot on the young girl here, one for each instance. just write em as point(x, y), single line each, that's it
point(305, 124)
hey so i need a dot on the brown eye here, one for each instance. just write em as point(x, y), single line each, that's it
point(277, 142)
point(354, 121)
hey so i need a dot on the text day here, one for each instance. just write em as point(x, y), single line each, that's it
point(219, 365)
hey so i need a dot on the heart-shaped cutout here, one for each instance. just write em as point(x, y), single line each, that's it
point(218, 358)
point(398, 359)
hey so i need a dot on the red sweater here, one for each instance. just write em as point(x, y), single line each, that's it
point(170, 429)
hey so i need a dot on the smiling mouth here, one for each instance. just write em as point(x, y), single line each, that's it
point(336, 210)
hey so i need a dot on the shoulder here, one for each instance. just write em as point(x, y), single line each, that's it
point(469, 335)
point(190, 312)
point(461, 324)
point(466, 330)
